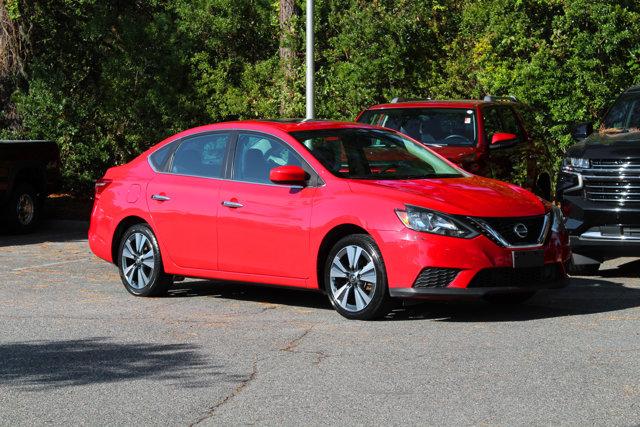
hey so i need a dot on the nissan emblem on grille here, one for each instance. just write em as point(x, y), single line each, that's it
point(521, 230)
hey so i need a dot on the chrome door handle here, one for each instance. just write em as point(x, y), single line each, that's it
point(230, 204)
point(160, 198)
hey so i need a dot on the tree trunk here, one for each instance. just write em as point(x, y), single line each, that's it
point(286, 17)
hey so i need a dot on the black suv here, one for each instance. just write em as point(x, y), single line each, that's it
point(599, 186)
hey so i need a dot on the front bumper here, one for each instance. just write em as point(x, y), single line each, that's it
point(601, 230)
point(469, 293)
point(407, 253)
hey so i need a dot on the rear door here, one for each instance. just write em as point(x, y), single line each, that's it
point(183, 199)
point(264, 227)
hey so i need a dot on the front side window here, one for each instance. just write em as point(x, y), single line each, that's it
point(201, 155)
point(501, 119)
point(374, 154)
point(433, 126)
point(257, 154)
point(624, 115)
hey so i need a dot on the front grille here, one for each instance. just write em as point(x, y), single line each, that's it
point(515, 277)
point(506, 228)
point(435, 277)
point(613, 181)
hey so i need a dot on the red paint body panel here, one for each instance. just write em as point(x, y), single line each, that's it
point(188, 221)
point(276, 235)
point(269, 235)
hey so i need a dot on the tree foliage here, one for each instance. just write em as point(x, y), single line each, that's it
point(109, 79)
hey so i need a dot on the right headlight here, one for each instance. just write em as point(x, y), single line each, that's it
point(428, 221)
point(570, 164)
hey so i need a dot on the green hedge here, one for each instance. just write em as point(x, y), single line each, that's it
point(109, 79)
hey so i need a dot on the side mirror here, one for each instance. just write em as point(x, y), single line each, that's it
point(582, 130)
point(503, 138)
point(291, 175)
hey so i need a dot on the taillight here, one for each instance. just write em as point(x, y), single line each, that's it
point(101, 185)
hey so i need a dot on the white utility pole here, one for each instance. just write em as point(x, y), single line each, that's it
point(310, 65)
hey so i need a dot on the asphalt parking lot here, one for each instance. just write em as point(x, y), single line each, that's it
point(76, 348)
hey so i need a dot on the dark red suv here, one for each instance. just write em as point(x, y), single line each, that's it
point(486, 137)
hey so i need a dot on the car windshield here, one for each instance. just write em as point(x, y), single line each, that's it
point(374, 154)
point(624, 116)
point(432, 126)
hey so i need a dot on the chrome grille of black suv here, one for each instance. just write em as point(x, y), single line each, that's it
point(613, 181)
point(505, 227)
point(436, 277)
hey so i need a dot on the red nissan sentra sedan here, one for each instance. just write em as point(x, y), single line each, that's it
point(362, 213)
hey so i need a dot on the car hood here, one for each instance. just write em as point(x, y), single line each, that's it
point(607, 146)
point(456, 154)
point(469, 196)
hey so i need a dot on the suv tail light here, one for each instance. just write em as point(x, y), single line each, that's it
point(101, 185)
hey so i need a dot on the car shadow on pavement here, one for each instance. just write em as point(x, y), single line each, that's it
point(582, 296)
point(49, 231)
point(250, 292)
point(628, 269)
point(45, 365)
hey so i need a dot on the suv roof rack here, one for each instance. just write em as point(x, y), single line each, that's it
point(400, 99)
point(508, 98)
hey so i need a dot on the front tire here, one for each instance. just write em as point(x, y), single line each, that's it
point(140, 264)
point(356, 279)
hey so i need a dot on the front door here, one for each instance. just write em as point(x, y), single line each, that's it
point(183, 200)
point(264, 227)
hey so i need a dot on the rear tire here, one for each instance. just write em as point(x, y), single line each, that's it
point(355, 278)
point(24, 209)
point(509, 299)
point(140, 264)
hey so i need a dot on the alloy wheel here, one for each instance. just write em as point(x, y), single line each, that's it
point(353, 278)
point(138, 260)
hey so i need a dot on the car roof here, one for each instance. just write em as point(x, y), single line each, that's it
point(293, 125)
point(453, 103)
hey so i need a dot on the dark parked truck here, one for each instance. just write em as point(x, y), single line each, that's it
point(487, 137)
point(29, 171)
point(599, 186)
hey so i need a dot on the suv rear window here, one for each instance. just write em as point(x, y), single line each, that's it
point(431, 126)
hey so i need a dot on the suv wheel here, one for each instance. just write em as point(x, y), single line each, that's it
point(140, 264)
point(23, 208)
point(356, 280)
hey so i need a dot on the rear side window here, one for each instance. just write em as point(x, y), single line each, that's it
point(159, 159)
point(202, 155)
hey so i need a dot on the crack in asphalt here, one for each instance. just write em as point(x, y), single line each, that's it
point(294, 343)
point(236, 391)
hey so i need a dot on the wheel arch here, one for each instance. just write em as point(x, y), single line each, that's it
point(30, 174)
point(123, 226)
point(330, 239)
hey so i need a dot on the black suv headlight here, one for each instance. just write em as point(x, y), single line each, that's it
point(428, 221)
point(570, 164)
